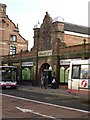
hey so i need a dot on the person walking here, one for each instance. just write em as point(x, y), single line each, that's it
point(53, 85)
point(42, 81)
point(45, 82)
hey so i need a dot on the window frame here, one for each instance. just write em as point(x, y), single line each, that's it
point(81, 71)
point(12, 50)
point(13, 38)
point(72, 75)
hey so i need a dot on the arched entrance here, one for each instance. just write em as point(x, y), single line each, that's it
point(44, 70)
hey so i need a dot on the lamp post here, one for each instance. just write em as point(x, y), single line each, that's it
point(20, 73)
point(57, 65)
point(36, 77)
point(84, 54)
point(8, 53)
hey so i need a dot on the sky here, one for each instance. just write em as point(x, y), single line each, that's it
point(27, 13)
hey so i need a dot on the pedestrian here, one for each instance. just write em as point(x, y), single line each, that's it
point(42, 81)
point(53, 85)
point(45, 82)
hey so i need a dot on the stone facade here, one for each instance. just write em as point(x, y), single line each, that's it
point(11, 42)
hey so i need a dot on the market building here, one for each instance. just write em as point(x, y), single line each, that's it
point(56, 43)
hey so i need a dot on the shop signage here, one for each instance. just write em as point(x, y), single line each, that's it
point(27, 63)
point(67, 61)
point(45, 53)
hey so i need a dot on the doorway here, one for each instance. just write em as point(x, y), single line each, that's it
point(44, 70)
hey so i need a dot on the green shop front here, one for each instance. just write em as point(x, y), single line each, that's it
point(26, 72)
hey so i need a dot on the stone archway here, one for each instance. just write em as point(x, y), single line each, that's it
point(44, 70)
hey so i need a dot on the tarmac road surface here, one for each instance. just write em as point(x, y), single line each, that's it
point(22, 108)
point(50, 96)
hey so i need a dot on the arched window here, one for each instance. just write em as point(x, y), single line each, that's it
point(66, 75)
point(26, 74)
point(62, 74)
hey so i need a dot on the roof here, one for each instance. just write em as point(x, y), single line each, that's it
point(76, 28)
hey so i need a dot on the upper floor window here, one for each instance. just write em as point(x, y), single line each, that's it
point(7, 25)
point(12, 49)
point(1, 9)
point(13, 38)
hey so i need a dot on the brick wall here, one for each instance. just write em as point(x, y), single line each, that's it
point(8, 28)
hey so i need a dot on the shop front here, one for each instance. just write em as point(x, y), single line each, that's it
point(64, 71)
point(26, 72)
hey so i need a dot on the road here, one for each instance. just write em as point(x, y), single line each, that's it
point(36, 105)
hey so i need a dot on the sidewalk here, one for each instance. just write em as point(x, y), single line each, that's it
point(57, 92)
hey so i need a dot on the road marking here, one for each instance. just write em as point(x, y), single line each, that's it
point(35, 101)
point(32, 111)
point(24, 110)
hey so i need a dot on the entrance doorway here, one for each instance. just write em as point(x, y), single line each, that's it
point(44, 70)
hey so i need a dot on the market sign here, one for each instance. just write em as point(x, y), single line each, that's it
point(45, 53)
point(27, 64)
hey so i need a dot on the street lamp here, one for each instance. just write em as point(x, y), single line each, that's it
point(20, 64)
point(57, 65)
point(36, 77)
point(84, 48)
point(8, 53)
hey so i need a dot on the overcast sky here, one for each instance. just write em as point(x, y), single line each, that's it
point(27, 13)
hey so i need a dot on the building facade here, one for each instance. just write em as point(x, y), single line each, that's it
point(56, 43)
point(11, 42)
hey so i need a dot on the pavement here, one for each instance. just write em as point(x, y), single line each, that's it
point(56, 92)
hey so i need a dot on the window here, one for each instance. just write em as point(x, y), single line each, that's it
point(12, 49)
point(85, 72)
point(7, 25)
point(81, 72)
point(1, 9)
point(26, 74)
point(76, 72)
point(62, 74)
point(13, 38)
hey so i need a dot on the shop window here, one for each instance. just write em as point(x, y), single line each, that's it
point(26, 74)
point(13, 38)
point(62, 74)
point(66, 75)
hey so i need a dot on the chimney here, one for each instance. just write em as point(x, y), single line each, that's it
point(2, 10)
